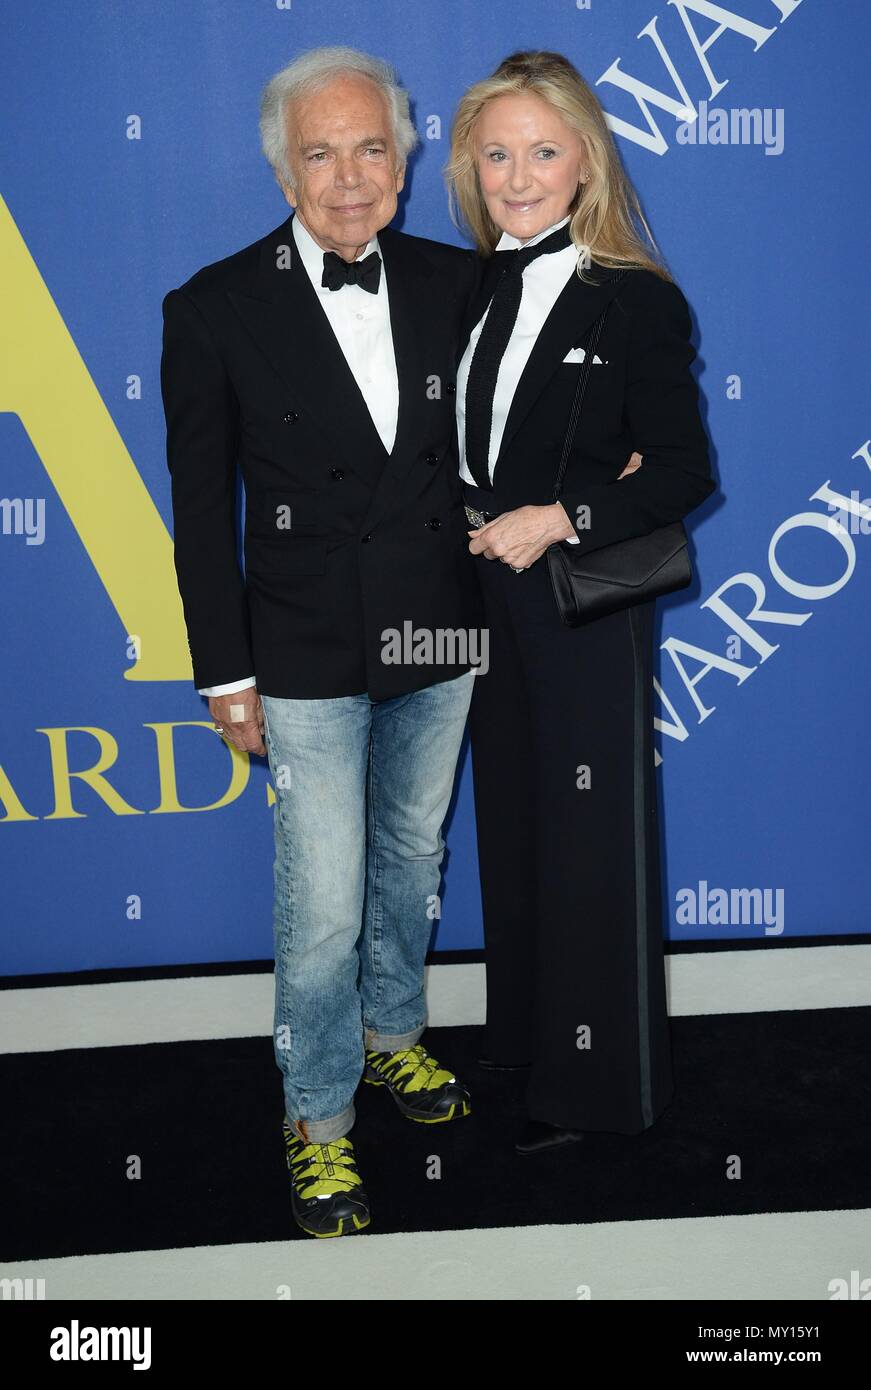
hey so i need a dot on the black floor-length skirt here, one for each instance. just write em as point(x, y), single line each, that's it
point(569, 852)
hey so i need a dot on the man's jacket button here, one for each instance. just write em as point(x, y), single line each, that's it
point(291, 417)
point(434, 523)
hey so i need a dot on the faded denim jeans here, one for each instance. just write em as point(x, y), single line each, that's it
point(362, 788)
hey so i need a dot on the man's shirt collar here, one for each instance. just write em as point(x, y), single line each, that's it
point(312, 255)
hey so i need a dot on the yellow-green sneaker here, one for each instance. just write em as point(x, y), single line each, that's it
point(422, 1089)
point(326, 1192)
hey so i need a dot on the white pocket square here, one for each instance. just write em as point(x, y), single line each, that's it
point(578, 355)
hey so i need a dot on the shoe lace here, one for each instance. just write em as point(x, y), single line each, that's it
point(322, 1169)
point(414, 1061)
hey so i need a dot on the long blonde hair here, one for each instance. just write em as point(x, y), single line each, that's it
point(606, 217)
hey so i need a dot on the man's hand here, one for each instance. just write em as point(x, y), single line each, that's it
point(634, 462)
point(240, 718)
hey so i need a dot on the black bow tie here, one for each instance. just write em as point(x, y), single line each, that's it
point(365, 273)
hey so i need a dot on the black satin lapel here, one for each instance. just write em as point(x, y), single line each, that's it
point(285, 319)
point(409, 295)
point(570, 319)
point(414, 302)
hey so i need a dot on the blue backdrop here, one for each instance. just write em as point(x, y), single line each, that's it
point(130, 158)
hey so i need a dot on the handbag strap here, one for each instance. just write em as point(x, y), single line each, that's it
point(580, 392)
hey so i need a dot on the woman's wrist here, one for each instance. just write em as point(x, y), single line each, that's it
point(563, 528)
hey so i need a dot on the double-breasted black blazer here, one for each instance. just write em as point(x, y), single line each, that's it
point(253, 379)
point(641, 397)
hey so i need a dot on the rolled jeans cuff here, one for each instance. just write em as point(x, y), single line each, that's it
point(323, 1131)
point(391, 1042)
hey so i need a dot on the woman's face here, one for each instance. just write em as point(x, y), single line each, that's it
point(529, 163)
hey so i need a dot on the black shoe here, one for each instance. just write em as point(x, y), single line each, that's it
point(489, 1065)
point(326, 1192)
point(538, 1135)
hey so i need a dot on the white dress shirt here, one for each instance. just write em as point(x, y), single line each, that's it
point(543, 282)
point(361, 323)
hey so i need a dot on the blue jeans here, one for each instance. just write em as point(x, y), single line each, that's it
point(362, 788)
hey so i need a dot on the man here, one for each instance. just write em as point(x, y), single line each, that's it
point(319, 362)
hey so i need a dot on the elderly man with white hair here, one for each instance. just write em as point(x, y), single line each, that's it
point(319, 364)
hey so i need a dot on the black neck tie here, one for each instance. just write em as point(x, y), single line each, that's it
point(490, 349)
point(365, 273)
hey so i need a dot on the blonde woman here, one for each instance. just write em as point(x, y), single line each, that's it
point(563, 762)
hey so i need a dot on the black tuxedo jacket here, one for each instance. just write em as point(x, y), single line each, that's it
point(641, 397)
point(254, 379)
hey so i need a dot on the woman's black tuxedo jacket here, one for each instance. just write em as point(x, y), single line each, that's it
point(641, 397)
point(253, 377)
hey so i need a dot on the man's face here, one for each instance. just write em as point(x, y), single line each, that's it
point(344, 163)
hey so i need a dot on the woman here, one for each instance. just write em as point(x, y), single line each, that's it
point(562, 749)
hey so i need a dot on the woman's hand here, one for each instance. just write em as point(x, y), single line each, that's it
point(521, 537)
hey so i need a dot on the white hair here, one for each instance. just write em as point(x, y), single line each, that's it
point(309, 73)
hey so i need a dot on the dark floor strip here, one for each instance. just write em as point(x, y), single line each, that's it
point(788, 1094)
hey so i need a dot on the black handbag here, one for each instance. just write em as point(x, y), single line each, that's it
point(624, 573)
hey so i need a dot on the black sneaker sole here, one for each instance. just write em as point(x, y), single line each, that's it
point(347, 1226)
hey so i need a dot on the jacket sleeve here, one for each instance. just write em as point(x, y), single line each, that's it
point(201, 433)
point(661, 410)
